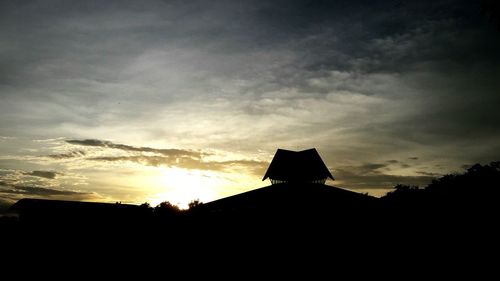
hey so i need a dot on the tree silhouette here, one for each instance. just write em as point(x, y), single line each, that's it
point(194, 204)
point(476, 189)
point(166, 209)
point(145, 205)
point(491, 9)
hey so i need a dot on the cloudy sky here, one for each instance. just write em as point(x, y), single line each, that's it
point(138, 101)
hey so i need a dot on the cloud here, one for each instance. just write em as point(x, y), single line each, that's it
point(108, 144)
point(413, 158)
point(246, 166)
point(37, 191)
point(71, 154)
point(170, 157)
point(351, 177)
point(16, 184)
point(377, 176)
point(250, 166)
point(430, 174)
point(369, 168)
point(42, 174)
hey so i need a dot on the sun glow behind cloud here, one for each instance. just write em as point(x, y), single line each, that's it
point(113, 172)
point(183, 185)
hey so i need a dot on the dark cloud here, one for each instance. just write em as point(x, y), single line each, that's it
point(369, 168)
point(372, 176)
point(351, 178)
point(145, 160)
point(413, 158)
point(166, 152)
point(42, 174)
point(71, 154)
point(248, 166)
point(27, 190)
point(430, 174)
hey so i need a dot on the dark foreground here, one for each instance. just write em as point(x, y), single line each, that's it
point(453, 222)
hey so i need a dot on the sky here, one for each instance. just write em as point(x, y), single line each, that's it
point(150, 101)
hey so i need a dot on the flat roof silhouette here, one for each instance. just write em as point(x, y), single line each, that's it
point(297, 166)
point(31, 203)
point(44, 210)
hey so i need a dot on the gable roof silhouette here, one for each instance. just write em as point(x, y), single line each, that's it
point(297, 166)
point(289, 201)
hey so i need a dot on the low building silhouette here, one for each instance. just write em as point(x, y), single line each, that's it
point(75, 212)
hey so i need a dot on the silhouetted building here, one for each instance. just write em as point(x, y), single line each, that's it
point(297, 167)
point(298, 192)
point(75, 212)
point(290, 198)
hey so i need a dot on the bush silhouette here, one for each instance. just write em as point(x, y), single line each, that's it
point(475, 190)
point(194, 204)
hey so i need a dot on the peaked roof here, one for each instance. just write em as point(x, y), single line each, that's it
point(303, 165)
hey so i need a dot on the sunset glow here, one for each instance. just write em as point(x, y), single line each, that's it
point(182, 186)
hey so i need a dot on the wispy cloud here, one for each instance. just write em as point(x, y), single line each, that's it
point(430, 174)
point(70, 154)
point(181, 158)
point(250, 166)
point(165, 152)
point(378, 176)
point(42, 174)
point(352, 178)
point(10, 190)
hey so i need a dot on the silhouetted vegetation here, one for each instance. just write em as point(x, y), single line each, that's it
point(166, 212)
point(195, 204)
point(478, 185)
point(491, 8)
